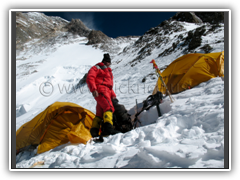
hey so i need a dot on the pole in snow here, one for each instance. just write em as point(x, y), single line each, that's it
point(161, 78)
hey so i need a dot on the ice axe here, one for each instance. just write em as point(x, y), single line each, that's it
point(161, 78)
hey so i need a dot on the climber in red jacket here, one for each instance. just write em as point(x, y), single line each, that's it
point(100, 83)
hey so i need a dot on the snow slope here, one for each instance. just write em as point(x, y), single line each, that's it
point(190, 134)
point(66, 65)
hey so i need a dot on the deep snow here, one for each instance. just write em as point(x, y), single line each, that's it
point(190, 134)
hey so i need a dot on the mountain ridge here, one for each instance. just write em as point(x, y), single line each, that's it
point(185, 32)
point(36, 28)
point(34, 25)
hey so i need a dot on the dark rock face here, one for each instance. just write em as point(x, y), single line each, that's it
point(76, 26)
point(154, 38)
point(34, 25)
point(194, 38)
point(211, 17)
point(200, 17)
point(190, 17)
point(96, 37)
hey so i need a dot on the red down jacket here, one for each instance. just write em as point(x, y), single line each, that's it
point(100, 78)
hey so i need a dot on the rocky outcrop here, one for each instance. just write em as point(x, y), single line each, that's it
point(37, 33)
point(96, 37)
point(190, 17)
point(159, 37)
point(200, 17)
point(211, 17)
point(34, 25)
point(76, 26)
point(43, 31)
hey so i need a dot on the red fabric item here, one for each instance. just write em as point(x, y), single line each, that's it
point(102, 81)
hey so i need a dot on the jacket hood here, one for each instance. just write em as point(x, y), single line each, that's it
point(102, 64)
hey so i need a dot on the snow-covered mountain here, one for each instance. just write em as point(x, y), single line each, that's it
point(53, 55)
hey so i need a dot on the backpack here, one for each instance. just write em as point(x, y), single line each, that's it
point(152, 100)
point(121, 119)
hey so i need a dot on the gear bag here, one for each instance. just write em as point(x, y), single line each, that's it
point(152, 100)
point(121, 119)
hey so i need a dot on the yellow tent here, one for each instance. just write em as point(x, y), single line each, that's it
point(58, 124)
point(190, 70)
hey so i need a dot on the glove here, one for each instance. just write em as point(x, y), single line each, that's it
point(95, 93)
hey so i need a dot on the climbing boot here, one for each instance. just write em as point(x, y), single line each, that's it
point(94, 132)
point(107, 127)
point(95, 126)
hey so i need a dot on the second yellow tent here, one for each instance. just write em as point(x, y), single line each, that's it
point(190, 70)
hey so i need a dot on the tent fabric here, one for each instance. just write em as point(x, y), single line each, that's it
point(190, 70)
point(58, 124)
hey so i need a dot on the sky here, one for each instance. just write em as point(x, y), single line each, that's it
point(115, 24)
